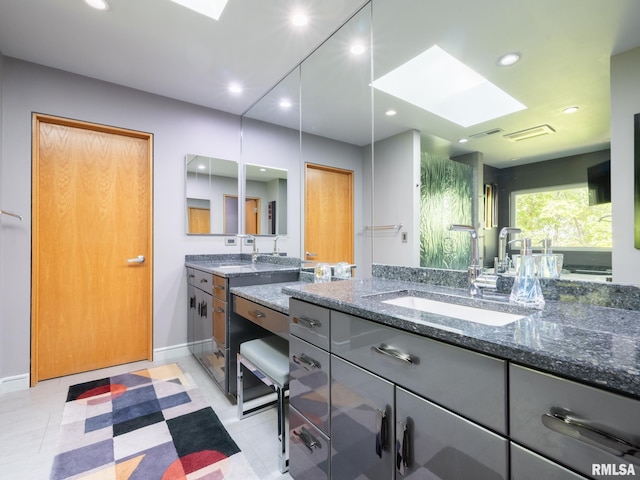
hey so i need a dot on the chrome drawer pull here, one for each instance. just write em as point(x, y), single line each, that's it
point(259, 314)
point(219, 309)
point(381, 431)
point(385, 349)
point(307, 322)
point(558, 421)
point(307, 362)
point(218, 287)
point(402, 447)
point(309, 440)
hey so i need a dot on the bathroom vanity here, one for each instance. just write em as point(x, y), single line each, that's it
point(397, 392)
point(214, 331)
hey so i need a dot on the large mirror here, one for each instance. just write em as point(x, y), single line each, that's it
point(211, 195)
point(529, 145)
point(271, 161)
point(336, 146)
point(409, 152)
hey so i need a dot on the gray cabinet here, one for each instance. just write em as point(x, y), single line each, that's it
point(214, 331)
point(200, 322)
point(309, 381)
point(362, 413)
point(573, 424)
point(309, 391)
point(468, 383)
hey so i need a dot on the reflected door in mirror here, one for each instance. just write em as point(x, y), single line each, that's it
point(199, 220)
point(252, 216)
point(328, 214)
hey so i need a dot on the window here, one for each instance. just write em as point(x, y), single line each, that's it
point(562, 214)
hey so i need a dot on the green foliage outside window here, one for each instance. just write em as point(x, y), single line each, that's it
point(565, 216)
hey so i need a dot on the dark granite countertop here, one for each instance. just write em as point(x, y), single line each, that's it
point(238, 265)
point(591, 344)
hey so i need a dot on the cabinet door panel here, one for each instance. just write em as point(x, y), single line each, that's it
point(309, 322)
point(308, 449)
point(309, 381)
point(362, 427)
point(526, 465)
point(468, 383)
point(573, 424)
point(442, 445)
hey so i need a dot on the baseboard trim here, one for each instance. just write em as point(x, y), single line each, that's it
point(21, 382)
point(14, 383)
point(169, 353)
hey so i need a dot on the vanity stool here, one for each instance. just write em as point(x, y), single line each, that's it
point(268, 359)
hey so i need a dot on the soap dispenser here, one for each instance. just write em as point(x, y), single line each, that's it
point(548, 264)
point(526, 289)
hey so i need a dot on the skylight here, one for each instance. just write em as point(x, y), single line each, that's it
point(210, 8)
point(439, 83)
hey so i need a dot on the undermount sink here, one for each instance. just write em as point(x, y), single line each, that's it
point(483, 316)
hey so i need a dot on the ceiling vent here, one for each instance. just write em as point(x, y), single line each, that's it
point(530, 133)
point(488, 133)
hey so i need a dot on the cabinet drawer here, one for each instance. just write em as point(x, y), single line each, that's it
point(309, 322)
point(220, 322)
point(308, 449)
point(190, 276)
point(468, 383)
point(581, 422)
point(220, 288)
point(526, 465)
point(439, 444)
point(203, 280)
point(271, 320)
point(309, 381)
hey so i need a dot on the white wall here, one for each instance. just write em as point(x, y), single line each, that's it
point(625, 102)
point(178, 128)
point(396, 197)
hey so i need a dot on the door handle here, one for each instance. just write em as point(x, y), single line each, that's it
point(138, 259)
point(381, 431)
point(310, 254)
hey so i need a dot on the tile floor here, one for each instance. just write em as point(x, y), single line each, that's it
point(30, 419)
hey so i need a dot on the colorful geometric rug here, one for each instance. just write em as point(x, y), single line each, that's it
point(145, 425)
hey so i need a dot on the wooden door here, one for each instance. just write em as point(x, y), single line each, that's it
point(199, 220)
point(92, 213)
point(328, 226)
point(252, 216)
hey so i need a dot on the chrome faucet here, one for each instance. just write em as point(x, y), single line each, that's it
point(502, 263)
point(255, 252)
point(476, 280)
point(275, 252)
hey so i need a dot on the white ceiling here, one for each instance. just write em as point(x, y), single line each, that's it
point(160, 47)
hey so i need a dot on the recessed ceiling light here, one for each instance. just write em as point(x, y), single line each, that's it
point(299, 19)
point(285, 103)
point(509, 59)
point(390, 113)
point(463, 140)
point(235, 88)
point(210, 8)
point(98, 4)
point(441, 84)
point(263, 169)
point(573, 109)
point(357, 49)
point(201, 167)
